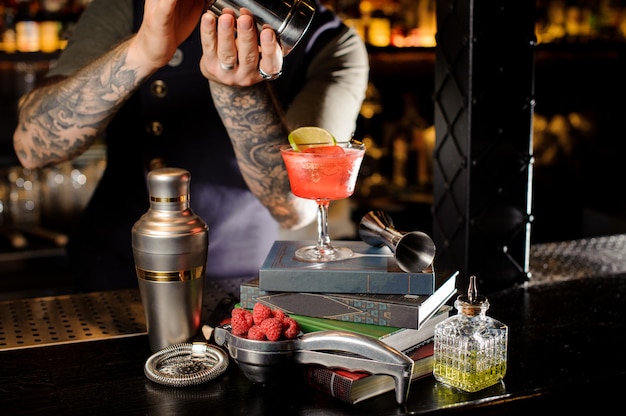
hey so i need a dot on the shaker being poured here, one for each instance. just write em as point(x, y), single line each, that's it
point(289, 18)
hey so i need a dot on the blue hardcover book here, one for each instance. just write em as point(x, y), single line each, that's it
point(370, 270)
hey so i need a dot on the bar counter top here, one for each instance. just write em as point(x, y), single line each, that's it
point(84, 353)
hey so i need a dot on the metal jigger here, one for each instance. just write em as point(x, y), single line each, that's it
point(170, 246)
point(414, 251)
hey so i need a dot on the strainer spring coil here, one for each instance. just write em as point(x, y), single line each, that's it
point(186, 364)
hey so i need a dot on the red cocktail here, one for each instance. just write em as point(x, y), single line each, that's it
point(323, 173)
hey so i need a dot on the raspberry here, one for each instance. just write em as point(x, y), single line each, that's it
point(245, 313)
point(257, 333)
point(263, 323)
point(273, 328)
point(278, 313)
point(260, 312)
point(240, 321)
point(291, 328)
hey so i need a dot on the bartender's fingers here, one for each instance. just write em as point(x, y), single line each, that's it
point(208, 36)
point(247, 44)
point(271, 60)
point(226, 52)
point(210, 65)
point(226, 43)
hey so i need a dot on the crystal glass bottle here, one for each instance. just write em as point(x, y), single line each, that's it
point(470, 347)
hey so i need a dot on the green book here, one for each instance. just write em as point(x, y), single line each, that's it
point(312, 324)
point(398, 338)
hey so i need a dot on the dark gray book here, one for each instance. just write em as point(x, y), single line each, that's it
point(402, 311)
point(370, 270)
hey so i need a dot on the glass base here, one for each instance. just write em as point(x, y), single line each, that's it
point(314, 254)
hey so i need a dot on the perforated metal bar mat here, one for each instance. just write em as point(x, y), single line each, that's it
point(63, 319)
point(27, 323)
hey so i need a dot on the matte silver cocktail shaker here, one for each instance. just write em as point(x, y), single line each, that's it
point(170, 245)
point(289, 18)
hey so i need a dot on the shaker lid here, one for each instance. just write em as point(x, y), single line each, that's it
point(168, 184)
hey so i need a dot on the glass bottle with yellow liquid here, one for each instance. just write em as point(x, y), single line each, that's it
point(470, 347)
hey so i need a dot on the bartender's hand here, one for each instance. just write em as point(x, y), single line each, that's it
point(231, 51)
point(166, 24)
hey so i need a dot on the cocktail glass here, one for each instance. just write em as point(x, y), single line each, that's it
point(323, 173)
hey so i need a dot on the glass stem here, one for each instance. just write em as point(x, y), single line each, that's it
point(323, 239)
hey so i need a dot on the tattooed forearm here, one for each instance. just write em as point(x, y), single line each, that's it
point(60, 121)
point(256, 131)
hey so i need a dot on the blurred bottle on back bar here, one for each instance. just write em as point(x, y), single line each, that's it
point(26, 27)
point(9, 41)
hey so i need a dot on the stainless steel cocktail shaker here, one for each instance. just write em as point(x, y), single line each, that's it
point(170, 245)
point(289, 18)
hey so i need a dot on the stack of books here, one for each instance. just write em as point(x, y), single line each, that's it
point(367, 294)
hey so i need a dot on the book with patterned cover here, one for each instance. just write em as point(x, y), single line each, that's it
point(405, 311)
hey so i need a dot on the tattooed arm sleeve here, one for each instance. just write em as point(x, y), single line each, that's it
point(256, 131)
point(58, 122)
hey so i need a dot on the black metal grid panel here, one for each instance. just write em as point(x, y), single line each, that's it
point(484, 75)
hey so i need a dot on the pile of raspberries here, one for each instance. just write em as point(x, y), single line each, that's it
point(263, 323)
